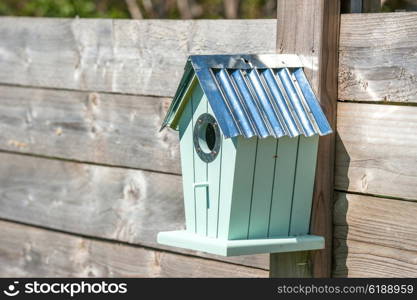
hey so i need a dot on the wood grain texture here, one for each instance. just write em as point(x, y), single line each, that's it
point(310, 28)
point(378, 221)
point(102, 128)
point(377, 149)
point(297, 264)
point(107, 202)
point(31, 252)
point(374, 237)
point(359, 259)
point(377, 60)
point(144, 57)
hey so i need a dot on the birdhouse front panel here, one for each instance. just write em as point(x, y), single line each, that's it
point(249, 128)
point(201, 151)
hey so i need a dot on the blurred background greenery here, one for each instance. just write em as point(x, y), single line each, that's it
point(138, 9)
point(159, 9)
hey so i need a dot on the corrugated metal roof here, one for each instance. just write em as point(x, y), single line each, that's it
point(254, 95)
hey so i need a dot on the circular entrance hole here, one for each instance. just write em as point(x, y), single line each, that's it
point(206, 137)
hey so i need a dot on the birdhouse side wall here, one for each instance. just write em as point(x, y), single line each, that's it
point(273, 187)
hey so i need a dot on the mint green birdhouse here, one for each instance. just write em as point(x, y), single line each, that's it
point(249, 127)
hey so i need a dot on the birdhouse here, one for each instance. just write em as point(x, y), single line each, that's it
point(249, 127)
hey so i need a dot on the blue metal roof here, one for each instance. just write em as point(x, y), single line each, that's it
point(253, 95)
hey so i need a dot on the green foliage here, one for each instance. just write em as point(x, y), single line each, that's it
point(164, 9)
point(253, 9)
point(156, 9)
point(399, 5)
point(212, 9)
point(65, 8)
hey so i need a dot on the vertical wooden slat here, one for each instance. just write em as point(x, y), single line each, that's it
point(242, 187)
point(262, 188)
point(303, 185)
point(213, 179)
point(200, 167)
point(187, 165)
point(228, 159)
point(310, 28)
point(279, 220)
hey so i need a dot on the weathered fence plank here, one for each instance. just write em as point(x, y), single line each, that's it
point(374, 237)
point(126, 153)
point(123, 130)
point(377, 60)
point(378, 221)
point(126, 56)
point(376, 152)
point(357, 259)
point(102, 128)
point(131, 57)
point(31, 252)
point(113, 203)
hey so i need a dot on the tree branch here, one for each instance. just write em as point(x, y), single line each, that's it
point(134, 9)
point(184, 8)
point(231, 8)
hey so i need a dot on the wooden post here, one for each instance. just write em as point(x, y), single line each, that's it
point(310, 28)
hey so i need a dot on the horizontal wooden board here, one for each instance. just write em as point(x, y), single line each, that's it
point(358, 259)
point(107, 202)
point(374, 237)
point(376, 150)
point(102, 128)
point(377, 60)
point(378, 221)
point(31, 252)
point(144, 57)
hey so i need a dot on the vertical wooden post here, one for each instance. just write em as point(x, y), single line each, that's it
point(310, 28)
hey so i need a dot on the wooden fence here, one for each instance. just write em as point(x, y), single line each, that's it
point(87, 181)
point(376, 152)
